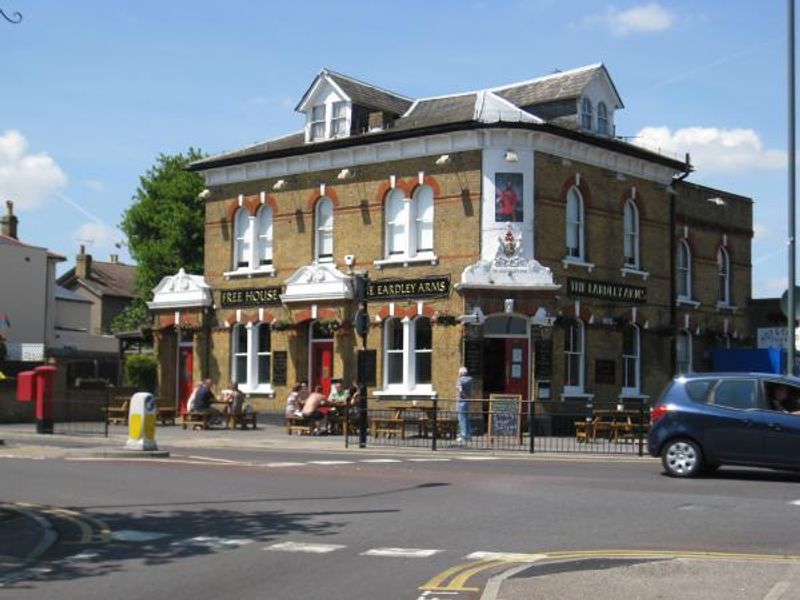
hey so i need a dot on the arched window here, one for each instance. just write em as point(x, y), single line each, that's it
point(724, 270)
point(631, 235)
point(683, 352)
point(422, 350)
point(573, 357)
point(394, 348)
point(683, 271)
point(575, 224)
point(239, 354)
point(323, 217)
point(242, 239)
point(396, 230)
point(631, 360)
point(263, 353)
point(602, 118)
point(264, 236)
point(586, 114)
point(423, 221)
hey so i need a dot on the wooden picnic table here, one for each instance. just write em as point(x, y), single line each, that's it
point(614, 425)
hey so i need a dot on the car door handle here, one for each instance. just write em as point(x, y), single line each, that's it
point(774, 426)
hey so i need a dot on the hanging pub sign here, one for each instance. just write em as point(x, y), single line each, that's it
point(606, 290)
point(250, 297)
point(400, 289)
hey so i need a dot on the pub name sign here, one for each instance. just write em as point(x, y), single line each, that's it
point(606, 290)
point(250, 297)
point(398, 289)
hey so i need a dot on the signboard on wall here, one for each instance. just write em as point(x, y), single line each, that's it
point(399, 289)
point(775, 337)
point(368, 367)
point(250, 297)
point(279, 367)
point(508, 197)
point(473, 356)
point(606, 290)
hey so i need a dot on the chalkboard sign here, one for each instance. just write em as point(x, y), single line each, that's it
point(368, 367)
point(543, 359)
point(473, 356)
point(279, 358)
point(505, 416)
point(604, 371)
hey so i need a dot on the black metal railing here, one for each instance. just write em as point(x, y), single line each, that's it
point(81, 412)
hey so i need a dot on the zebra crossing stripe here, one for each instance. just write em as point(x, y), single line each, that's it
point(304, 547)
point(401, 552)
point(330, 462)
point(380, 460)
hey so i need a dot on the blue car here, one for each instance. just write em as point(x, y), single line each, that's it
point(704, 420)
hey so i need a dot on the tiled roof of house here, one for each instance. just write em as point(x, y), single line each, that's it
point(557, 86)
point(105, 279)
point(370, 96)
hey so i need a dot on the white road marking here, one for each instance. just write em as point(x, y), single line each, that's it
point(401, 552)
point(430, 459)
point(380, 460)
point(331, 462)
point(213, 542)
point(219, 460)
point(778, 590)
point(795, 502)
point(284, 464)
point(509, 556)
point(130, 535)
point(478, 458)
point(303, 547)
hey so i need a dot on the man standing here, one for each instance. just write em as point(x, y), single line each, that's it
point(464, 391)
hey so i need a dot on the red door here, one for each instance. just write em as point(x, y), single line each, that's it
point(517, 367)
point(185, 358)
point(322, 365)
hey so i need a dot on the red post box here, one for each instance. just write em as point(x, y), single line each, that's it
point(45, 378)
point(26, 386)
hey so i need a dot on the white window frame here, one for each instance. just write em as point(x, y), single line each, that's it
point(634, 357)
point(409, 219)
point(317, 124)
point(602, 118)
point(683, 334)
point(420, 220)
point(242, 240)
point(586, 114)
point(256, 239)
point(340, 119)
point(631, 228)
point(408, 386)
point(323, 231)
point(264, 237)
point(574, 196)
point(580, 352)
point(248, 382)
point(724, 276)
point(683, 272)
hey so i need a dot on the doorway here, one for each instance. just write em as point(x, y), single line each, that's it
point(185, 371)
point(320, 358)
point(505, 366)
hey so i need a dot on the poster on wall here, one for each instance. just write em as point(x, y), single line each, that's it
point(508, 197)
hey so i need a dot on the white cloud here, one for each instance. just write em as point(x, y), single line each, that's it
point(761, 231)
point(94, 184)
point(97, 237)
point(712, 148)
point(25, 178)
point(645, 18)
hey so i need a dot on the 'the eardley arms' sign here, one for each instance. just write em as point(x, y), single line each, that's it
point(250, 297)
point(606, 290)
point(395, 289)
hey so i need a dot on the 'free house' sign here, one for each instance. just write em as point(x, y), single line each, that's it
point(606, 290)
point(250, 297)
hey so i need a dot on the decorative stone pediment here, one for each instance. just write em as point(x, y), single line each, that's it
point(318, 282)
point(181, 291)
point(509, 268)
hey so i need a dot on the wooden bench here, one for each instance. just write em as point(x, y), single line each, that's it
point(388, 427)
point(242, 419)
point(166, 416)
point(584, 431)
point(198, 420)
point(299, 425)
point(117, 415)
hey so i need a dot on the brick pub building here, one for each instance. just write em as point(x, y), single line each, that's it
point(505, 229)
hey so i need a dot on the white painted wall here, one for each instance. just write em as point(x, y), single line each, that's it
point(598, 90)
point(325, 94)
point(494, 161)
point(24, 293)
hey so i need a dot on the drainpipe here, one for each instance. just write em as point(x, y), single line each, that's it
point(673, 306)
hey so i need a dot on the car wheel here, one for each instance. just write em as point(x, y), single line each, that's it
point(682, 458)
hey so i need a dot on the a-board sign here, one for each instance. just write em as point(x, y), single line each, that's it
point(505, 416)
point(473, 356)
point(279, 364)
point(368, 367)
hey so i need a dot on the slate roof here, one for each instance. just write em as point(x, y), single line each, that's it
point(550, 88)
point(438, 111)
point(369, 95)
point(105, 279)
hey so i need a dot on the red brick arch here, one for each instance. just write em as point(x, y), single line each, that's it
point(251, 204)
point(583, 188)
point(314, 197)
point(431, 182)
point(386, 187)
point(638, 201)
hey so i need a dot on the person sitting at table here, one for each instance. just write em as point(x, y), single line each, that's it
point(311, 409)
point(294, 402)
point(234, 402)
point(203, 400)
point(338, 394)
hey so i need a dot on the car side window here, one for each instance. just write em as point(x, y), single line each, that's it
point(698, 389)
point(736, 393)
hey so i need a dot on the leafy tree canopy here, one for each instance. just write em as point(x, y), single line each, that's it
point(165, 223)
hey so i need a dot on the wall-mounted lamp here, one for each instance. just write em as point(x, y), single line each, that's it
point(512, 156)
point(443, 159)
point(279, 185)
point(717, 200)
point(205, 194)
point(345, 174)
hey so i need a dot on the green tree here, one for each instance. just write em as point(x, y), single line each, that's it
point(164, 227)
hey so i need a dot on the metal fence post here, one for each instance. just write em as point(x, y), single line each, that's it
point(105, 419)
point(641, 427)
point(435, 431)
point(531, 421)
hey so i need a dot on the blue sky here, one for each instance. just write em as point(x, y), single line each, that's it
point(94, 91)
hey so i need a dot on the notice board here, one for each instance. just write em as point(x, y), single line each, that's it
point(505, 416)
point(279, 367)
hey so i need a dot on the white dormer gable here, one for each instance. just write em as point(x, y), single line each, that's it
point(318, 282)
point(600, 90)
point(328, 110)
point(181, 291)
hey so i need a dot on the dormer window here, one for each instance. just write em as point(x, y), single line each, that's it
point(586, 114)
point(339, 119)
point(602, 119)
point(317, 125)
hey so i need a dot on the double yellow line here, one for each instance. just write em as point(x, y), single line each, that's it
point(85, 524)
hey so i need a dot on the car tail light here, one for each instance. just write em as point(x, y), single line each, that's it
point(658, 412)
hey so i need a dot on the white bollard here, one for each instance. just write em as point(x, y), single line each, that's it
point(142, 422)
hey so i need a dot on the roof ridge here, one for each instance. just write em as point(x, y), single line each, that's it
point(546, 77)
point(248, 146)
point(328, 71)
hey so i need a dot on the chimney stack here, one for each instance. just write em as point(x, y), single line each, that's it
point(83, 264)
point(8, 223)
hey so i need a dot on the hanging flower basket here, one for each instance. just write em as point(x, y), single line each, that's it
point(329, 326)
point(444, 319)
point(281, 325)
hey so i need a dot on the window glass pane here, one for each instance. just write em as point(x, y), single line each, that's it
point(423, 199)
point(241, 338)
point(395, 222)
point(740, 393)
point(265, 235)
point(422, 333)
point(263, 338)
point(423, 367)
point(505, 326)
point(394, 367)
point(324, 223)
point(263, 368)
point(698, 389)
point(682, 352)
point(629, 373)
point(394, 334)
point(318, 113)
point(241, 369)
point(242, 238)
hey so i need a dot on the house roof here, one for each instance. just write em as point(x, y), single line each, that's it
point(105, 279)
point(557, 86)
point(10, 241)
point(361, 93)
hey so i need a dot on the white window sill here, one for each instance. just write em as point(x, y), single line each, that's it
point(632, 271)
point(632, 396)
point(268, 271)
point(408, 260)
point(583, 395)
point(576, 262)
point(418, 392)
point(725, 307)
point(261, 390)
point(687, 302)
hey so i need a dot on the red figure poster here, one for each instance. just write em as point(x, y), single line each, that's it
point(508, 197)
